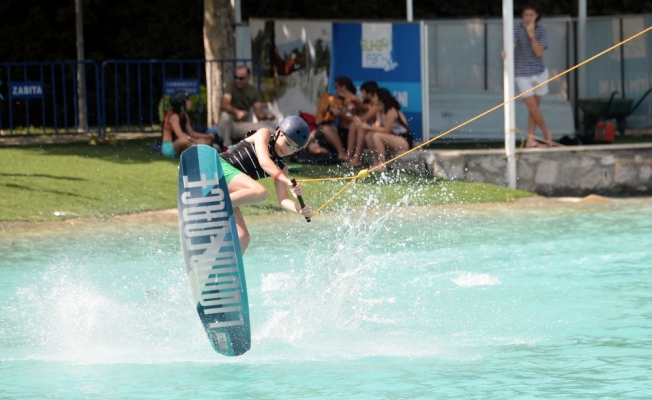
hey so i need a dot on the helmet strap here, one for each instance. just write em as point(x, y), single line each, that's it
point(272, 142)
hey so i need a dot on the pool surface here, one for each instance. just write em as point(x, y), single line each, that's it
point(521, 300)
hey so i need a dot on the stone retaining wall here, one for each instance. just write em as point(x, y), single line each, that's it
point(609, 170)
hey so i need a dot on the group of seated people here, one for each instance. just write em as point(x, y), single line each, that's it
point(234, 123)
point(374, 121)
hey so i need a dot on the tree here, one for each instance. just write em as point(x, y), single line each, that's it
point(219, 43)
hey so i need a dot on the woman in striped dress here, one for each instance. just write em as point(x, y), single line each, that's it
point(530, 41)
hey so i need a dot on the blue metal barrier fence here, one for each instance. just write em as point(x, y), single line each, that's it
point(126, 95)
point(42, 97)
point(134, 91)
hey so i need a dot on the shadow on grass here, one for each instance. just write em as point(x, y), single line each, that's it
point(40, 190)
point(64, 178)
point(123, 152)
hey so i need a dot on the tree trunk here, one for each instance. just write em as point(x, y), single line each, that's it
point(81, 68)
point(219, 44)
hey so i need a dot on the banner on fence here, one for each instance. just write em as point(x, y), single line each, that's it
point(189, 85)
point(386, 53)
point(294, 60)
point(26, 90)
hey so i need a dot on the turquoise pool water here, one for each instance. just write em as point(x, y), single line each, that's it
point(494, 301)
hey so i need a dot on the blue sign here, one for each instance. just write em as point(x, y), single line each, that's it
point(26, 90)
point(387, 53)
point(189, 85)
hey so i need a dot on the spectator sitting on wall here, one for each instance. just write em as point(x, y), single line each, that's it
point(336, 137)
point(177, 133)
point(369, 94)
point(239, 97)
point(390, 131)
point(356, 142)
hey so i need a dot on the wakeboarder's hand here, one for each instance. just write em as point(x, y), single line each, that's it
point(296, 190)
point(305, 211)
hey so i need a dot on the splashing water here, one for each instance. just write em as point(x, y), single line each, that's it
point(327, 293)
point(469, 279)
point(402, 302)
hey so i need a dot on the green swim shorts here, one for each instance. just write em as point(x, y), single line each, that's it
point(229, 171)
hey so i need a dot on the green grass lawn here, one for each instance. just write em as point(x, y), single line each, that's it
point(100, 181)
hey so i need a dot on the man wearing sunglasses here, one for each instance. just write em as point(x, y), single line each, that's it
point(239, 98)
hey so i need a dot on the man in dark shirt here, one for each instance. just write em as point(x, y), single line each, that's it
point(240, 97)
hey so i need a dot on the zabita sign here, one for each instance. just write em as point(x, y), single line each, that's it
point(26, 90)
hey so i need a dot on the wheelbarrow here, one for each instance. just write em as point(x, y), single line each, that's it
point(596, 110)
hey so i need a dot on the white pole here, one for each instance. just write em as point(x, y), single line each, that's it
point(409, 10)
point(508, 88)
point(238, 14)
point(425, 84)
point(242, 42)
point(581, 47)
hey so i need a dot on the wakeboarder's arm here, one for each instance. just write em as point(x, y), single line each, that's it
point(285, 201)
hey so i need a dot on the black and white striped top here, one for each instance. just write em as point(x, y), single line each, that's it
point(526, 63)
point(243, 157)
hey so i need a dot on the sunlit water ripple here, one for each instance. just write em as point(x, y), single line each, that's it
point(496, 301)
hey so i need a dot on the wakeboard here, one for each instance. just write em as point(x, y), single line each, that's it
point(211, 251)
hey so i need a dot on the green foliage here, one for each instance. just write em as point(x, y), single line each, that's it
point(35, 30)
point(100, 181)
point(375, 10)
point(193, 113)
point(169, 29)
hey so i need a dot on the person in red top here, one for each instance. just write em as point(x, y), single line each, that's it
point(177, 134)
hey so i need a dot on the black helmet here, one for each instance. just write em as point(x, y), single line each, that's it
point(178, 100)
point(295, 128)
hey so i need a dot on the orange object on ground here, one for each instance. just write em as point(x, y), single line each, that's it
point(605, 132)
